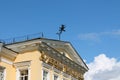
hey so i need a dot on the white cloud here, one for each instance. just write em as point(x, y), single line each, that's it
point(89, 36)
point(97, 36)
point(103, 68)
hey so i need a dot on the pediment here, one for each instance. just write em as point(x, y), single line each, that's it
point(66, 49)
point(63, 47)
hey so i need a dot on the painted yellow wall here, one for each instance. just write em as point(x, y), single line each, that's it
point(9, 70)
point(35, 68)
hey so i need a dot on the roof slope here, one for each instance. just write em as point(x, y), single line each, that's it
point(63, 47)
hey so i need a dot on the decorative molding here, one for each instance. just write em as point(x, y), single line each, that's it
point(22, 65)
point(49, 68)
point(58, 56)
point(56, 70)
point(56, 44)
point(2, 59)
point(26, 48)
point(75, 56)
point(46, 65)
point(65, 75)
point(7, 53)
point(60, 66)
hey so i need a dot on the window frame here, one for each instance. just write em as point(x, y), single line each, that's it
point(54, 76)
point(4, 72)
point(48, 78)
point(23, 76)
point(25, 65)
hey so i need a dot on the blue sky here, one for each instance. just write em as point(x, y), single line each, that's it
point(92, 26)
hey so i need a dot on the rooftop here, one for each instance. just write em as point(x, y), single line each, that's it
point(22, 38)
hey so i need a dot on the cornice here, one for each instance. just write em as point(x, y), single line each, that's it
point(54, 58)
point(54, 45)
point(26, 47)
point(7, 53)
point(5, 60)
point(32, 44)
point(75, 56)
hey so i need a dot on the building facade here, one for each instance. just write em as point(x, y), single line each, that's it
point(40, 59)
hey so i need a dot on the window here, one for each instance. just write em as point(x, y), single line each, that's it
point(55, 77)
point(2, 73)
point(45, 75)
point(23, 75)
point(23, 70)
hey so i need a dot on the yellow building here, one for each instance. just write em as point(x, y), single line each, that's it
point(40, 59)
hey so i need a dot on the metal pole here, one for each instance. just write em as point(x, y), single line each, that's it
point(59, 36)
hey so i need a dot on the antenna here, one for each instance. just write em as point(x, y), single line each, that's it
point(61, 29)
